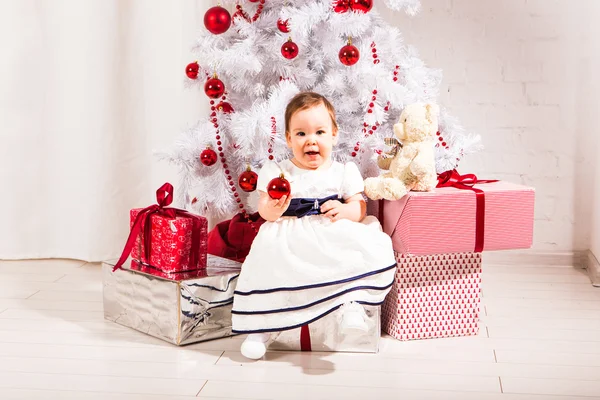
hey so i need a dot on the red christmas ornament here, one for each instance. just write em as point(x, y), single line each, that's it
point(253, 1)
point(283, 26)
point(341, 6)
point(217, 20)
point(247, 180)
point(192, 70)
point(349, 54)
point(289, 49)
point(208, 157)
point(278, 187)
point(361, 5)
point(214, 87)
point(225, 107)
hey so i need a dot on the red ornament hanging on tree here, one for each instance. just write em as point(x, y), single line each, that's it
point(349, 54)
point(283, 26)
point(217, 20)
point(361, 5)
point(192, 70)
point(214, 87)
point(248, 180)
point(342, 6)
point(225, 107)
point(208, 157)
point(279, 187)
point(289, 49)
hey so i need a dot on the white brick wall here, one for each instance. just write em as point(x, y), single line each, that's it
point(522, 74)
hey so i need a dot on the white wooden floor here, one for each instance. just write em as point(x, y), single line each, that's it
point(540, 339)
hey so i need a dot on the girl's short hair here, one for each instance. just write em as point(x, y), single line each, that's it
point(305, 100)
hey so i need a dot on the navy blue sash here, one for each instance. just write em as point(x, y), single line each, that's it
point(302, 207)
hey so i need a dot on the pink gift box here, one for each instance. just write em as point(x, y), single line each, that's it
point(434, 296)
point(444, 220)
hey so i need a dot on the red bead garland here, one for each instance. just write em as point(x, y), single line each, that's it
point(226, 167)
point(368, 132)
point(441, 141)
point(396, 73)
point(387, 106)
point(240, 11)
point(374, 51)
point(272, 138)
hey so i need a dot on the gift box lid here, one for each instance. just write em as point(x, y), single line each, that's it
point(217, 267)
point(444, 219)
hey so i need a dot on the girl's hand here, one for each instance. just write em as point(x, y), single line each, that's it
point(334, 210)
point(354, 209)
point(272, 209)
point(279, 206)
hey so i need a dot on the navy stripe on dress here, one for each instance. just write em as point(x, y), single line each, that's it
point(333, 296)
point(287, 328)
point(313, 286)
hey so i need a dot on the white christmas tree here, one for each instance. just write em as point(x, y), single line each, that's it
point(253, 62)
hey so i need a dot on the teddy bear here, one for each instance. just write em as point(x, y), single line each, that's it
point(410, 164)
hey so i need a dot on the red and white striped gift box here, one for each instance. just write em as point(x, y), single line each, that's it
point(444, 220)
point(434, 296)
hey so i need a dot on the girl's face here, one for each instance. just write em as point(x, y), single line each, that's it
point(311, 137)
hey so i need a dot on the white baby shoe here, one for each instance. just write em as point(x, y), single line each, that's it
point(255, 345)
point(353, 319)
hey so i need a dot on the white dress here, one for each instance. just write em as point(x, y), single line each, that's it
point(301, 269)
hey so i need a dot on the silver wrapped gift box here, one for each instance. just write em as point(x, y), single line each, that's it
point(178, 308)
point(325, 335)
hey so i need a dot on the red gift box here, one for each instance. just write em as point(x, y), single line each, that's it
point(166, 239)
point(434, 296)
point(463, 215)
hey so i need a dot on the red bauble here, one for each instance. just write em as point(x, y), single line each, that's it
point(289, 49)
point(341, 6)
point(225, 107)
point(278, 187)
point(283, 26)
point(253, 1)
point(192, 70)
point(208, 157)
point(214, 88)
point(217, 20)
point(349, 55)
point(247, 180)
point(361, 5)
